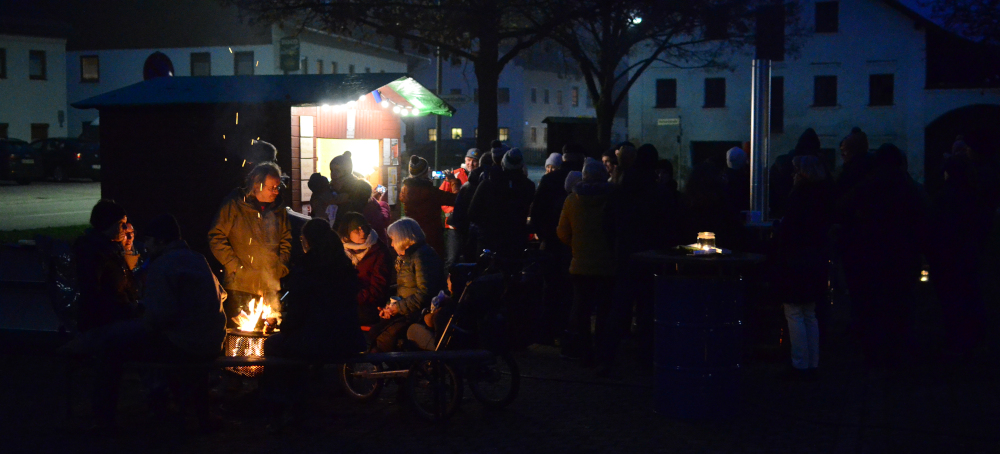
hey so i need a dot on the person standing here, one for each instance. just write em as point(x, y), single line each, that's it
point(108, 291)
point(500, 207)
point(422, 202)
point(251, 237)
point(453, 238)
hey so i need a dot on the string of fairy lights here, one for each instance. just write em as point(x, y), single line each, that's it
point(385, 103)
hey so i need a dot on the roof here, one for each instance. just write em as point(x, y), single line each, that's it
point(570, 120)
point(297, 90)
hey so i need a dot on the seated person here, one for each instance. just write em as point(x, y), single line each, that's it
point(320, 317)
point(183, 320)
point(419, 276)
point(108, 290)
point(370, 256)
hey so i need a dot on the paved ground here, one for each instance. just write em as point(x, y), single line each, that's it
point(47, 204)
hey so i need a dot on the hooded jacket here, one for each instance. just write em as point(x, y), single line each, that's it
point(582, 227)
point(253, 246)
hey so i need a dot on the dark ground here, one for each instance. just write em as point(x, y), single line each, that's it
point(561, 408)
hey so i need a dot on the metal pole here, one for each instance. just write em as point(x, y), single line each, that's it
point(437, 118)
point(760, 129)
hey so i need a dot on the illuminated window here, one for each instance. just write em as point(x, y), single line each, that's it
point(201, 64)
point(90, 68)
point(456, 133)
point(432, 134)
point(243, 63)
point(504, 134)
point(37, 65)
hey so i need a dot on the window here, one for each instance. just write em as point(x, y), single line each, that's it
point(777, 104)
point(90, 68)
point(39, 131)
point(824, 91)
point(201, 64)
point(545, 96)
point(880, 89)
point(827, 20)
point(243, 63)
point(715, 92)
point(333, 67)
point(503, 95)
point(3, 130)
point(432, 134)
point(456, 133)
point(350, 69)
point(534, 134)
point(36, 66)
point(534, 95)
point(456, 91)
point(559, 97)
point(3, 63)
point(367, 69)
point(504, 134)
point(666, 93)
point(305, 65)
point(574, 97)
point(319, 66)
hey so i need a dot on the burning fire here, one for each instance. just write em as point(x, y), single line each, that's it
point(258, 309)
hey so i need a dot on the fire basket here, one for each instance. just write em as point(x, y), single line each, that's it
point(245, 343)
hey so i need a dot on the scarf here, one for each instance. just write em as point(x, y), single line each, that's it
point(356, 251)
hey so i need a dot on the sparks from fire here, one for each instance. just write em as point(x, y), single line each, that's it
point(251, 242)
point(257, 310)
point(237, 118)
point(230, 50)
point(251, 260)
point(244, 163)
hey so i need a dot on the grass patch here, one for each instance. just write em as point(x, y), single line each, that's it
point(66, 233)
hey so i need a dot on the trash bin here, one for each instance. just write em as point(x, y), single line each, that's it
point(698, 346)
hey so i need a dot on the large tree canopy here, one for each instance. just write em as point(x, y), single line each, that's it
point(978, 20)
point(488, 33)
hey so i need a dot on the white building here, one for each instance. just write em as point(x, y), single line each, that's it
point(874, 64)
point(528, 94)
point(32, 80)
point(212, 42)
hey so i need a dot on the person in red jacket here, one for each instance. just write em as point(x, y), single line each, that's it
point(422, 202)
point(371, 257)
point(453, 239)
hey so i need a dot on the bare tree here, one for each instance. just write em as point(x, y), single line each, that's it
point(488, 33)
point(978, 20)
point(619, 39)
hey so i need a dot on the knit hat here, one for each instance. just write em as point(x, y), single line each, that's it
point(486, 160)
point(164, 227)
point(512, 160)
point(572, 179)
point(418, 167)
point(594, 171)
point(343, 161)
point(105, 214)
point(735, 158)
point(473, 153)
point(554, 159)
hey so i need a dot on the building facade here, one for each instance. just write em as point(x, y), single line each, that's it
point(873, 64)
point(32, 83)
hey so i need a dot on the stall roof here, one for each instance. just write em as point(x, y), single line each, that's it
point(297, 90)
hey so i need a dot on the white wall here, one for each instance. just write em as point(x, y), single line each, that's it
point(859, 49)
point(24, 101)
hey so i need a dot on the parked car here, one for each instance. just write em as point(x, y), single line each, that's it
point(19, 162)
point(69, 158)
point(451, 156)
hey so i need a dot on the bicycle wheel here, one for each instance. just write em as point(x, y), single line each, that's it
point(495, 385)
point(357, 384)
point(434, 390)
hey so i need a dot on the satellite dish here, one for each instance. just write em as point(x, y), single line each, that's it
point(157, 65)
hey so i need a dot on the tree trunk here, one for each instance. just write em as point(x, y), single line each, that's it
point(488, 78)
point(604, 109)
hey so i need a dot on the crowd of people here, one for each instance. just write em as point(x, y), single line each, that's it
point(877, 227)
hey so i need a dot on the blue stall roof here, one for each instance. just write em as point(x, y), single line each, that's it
point(297, 90)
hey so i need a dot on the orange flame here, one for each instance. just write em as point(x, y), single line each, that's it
point(258, 309)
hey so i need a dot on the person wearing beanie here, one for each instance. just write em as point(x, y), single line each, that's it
point(592, 269)
point(352, 192)
point(321, 197)
point(500, 207)
point(553, 162)
point(108, 290)
point(546, 205)
point(422, 202)
point(453, 239)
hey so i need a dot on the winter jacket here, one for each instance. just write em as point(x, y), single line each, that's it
point(460, 215)
point(422, 202)
point(548, 202)
point(500, 208)
point(452, 186)
point(320, 310)
point(419, 277)
point(183, 301)
point(802, 246)
point(631, 213)
point(377, 214)
point(357, 192)
point(106, 285)
point(582, 227)
point(253, 245)
point(373, 274)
